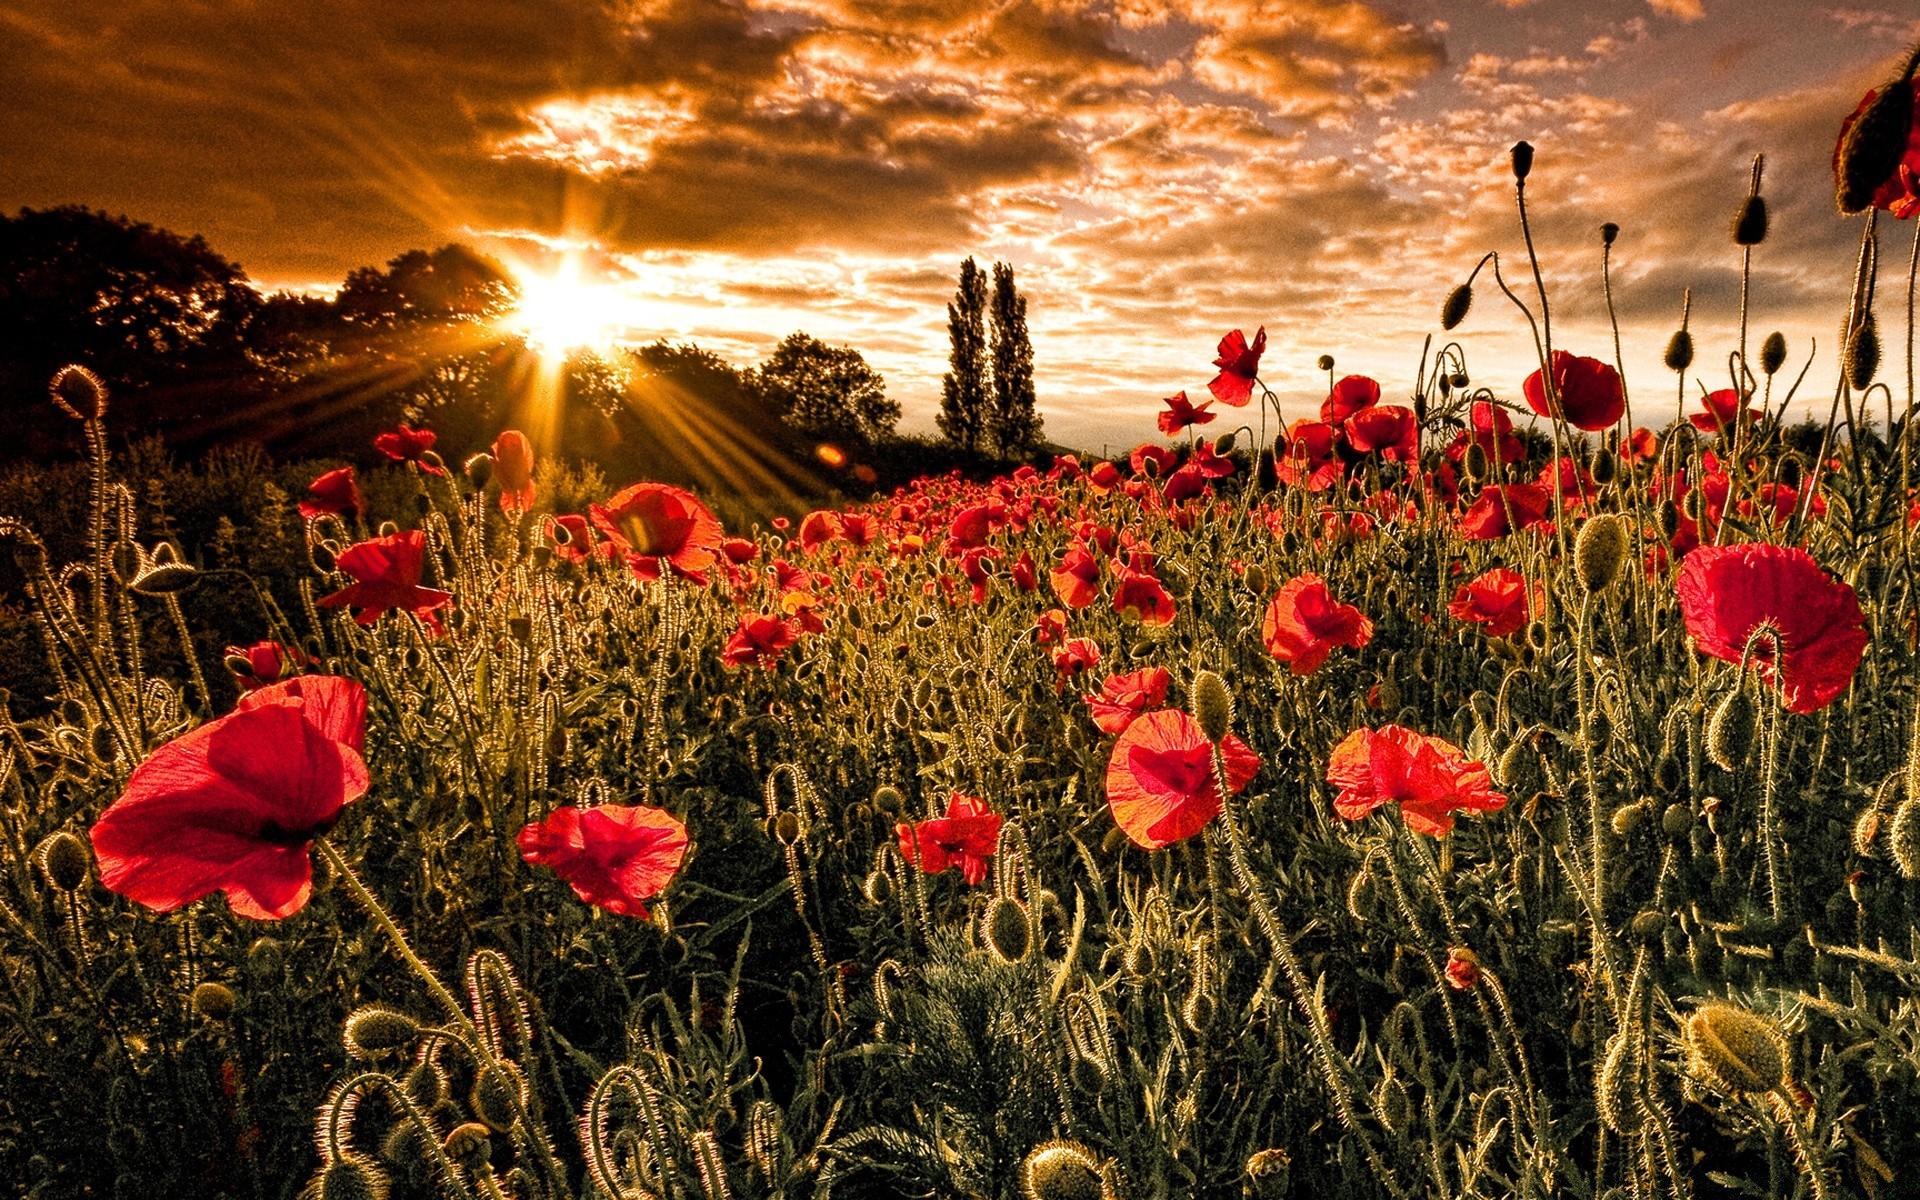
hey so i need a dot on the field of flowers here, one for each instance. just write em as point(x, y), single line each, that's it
point(1417, 804)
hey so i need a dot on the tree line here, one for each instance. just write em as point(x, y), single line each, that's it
point(986, 398)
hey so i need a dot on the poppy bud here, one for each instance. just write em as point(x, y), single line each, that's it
point(1615, 1091)
point(1225, 442)
point(469, 1143)
point(786, 828)
point(426, 1083)
point(1735, 1050)
point(498, 1091)
point(1679, 351)
point(1006, 929)
point(479, 469)
point(350, 1177)
point(1475, 462)
point(1602, 466)
point(1667, 515)
point(1454, 311)
point(1087, 1075)
point(1519, 768)
point(213, 1001)
point(1268, 1170)
point(1629, 817)
point(1873, 146)
point(1648, 924)
point(1750, 227)
point(520, 629)
point(102, 742)
point(542, 557)
point(1060, 1170)
point(1866, 831)
point(1730, 730)
point(1903, 838)
point(1773, 352)
point(878, 887)
point(265, 957)
point(1257, 579)
point(63, 859)
point(1522, 161)
point(1599, 551)
point(1787, 472)
point(373, 1031)
point(79, 393)
point(1608, 232)
point(1677, 821)
point(164, 574)
point(1212, 706)
point(1863, 354)
point(1326, 362)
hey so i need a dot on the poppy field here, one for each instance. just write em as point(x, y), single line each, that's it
point(1506, 789)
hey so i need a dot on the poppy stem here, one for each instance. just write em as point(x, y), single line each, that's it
point(370, 904)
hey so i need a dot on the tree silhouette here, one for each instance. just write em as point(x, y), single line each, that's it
point(453, 283)
point(1012, 427)
point(963, 393)
point(828, 392)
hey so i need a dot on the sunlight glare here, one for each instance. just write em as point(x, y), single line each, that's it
point(561, 312)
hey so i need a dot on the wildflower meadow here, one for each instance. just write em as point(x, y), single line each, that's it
point(1510, 788)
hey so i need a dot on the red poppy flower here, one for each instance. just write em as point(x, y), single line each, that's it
point(336, 492)
point(1501, 508)
point(1182, 413)
point(1050, 626)
point(1729, 592)
point(1428, 777)
point(760, 640)
point(1160, 784)
point(1024, 575)
point(1354, 394)
point(1496, 599)
point(266, 662)
point(513, 467)
point(818, 528)
point(1239, 366)
point(616, 856)
point(1591, 394)
point(1463, 968)
point(1392, 429)
point(1123, 697)
point(660, 528)
point(1304, 623)
point(1151, 460)
point(740, 550)
point(1075, 656)
point(1077, 579)
point(1312, 455)
point(1103, 477)
point(388, 573)
point(1139, 594)
point(1492, 430)
point(1721, 411)
point(965, 837)
point(1899, 193)
point(234, 806)
point(1639, 445)
point(407, 445)
point(856, 529)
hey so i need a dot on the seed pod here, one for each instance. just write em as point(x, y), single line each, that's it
point(1679, 351)
point(1773, 352)
point(1903, 838)
point(1863, 354)
point(1735, 1050)
point(1212, 705)
point(373, 1031)
point(63, 859)
point(1007, 929)
point(1871, 151)
point(1454, 311)
point(213, 1001)
point(1730, 730)
point(1060, 1170)
point(1616, 1091)
point(1600, 551)
point(352, 1176)
point(1522, 161)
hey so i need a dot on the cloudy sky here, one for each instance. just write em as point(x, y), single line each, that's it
point(1157, 171)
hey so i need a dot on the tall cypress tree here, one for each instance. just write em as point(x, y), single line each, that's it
point(1012, 427)
point(963, 393)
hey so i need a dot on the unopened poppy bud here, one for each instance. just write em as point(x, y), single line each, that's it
point(1666, 514)
point(1617, 1087)
point(265, 957)
point(1735, 1050)
point(1522, 161)
point(1257, 579)
point(1679, 354)
point(786, 828)
point(63, 859)
point(470, 1142)
point(1225, 443)
point(541, 557)
point(1603, 466)
point(1060, 1170)
point(1773, 352)
point(1730, 730)
point(479, 469)
point(520, 629)
point(1787, 472)
point(878, 887)
point(1903, 838)
point(1863, 354)
point(1873, 147)
point(1006, 929)
point(79, 393)
point(1454, 311)
point(350, 1177)
point(1629, 817)
point(1600, 551)
point(1750, 226)
point(1475, 462)
point(1463, 968)
point(1326, 362)
point(374, 1030)
point(1677, 821)
point(1087, 1075)
point(1608, 232)
point(1212, 705)
point(498, 1092)
point(1648, 924)
point(213, 1001)
point(426, 1083)
point(1267, 1170)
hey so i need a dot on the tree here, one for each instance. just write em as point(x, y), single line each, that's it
point(1012, 428)
point(453, 283)
point(828, 392)
point(963, 393)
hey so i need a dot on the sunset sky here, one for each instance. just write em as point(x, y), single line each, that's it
point(1158, 171)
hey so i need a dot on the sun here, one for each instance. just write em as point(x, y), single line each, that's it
point(561, 312)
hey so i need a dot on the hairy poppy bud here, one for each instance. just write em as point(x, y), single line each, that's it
point(1603, 466)
point(1087, 1075)
point(498, 1092)
point(1212, 705)
point(373, 1031)
point(63, 858)
point(426, 1083)
point(1871, 150)
point(1599, 551)
point(1007, 930)
point(1679, 351)
point(1735, 1050)
point(1326, 362)
point(79, 393)
point(1454, 311)
point(1225, 442)
point(1475, 463)
point(1750, 226)
point(1903, 838)
point(1608, 232)
point(350, 1177)
point(1730, 730)
point(1649, 924)
point(786, 828)
point(479, 469)
point(1522, 161)
point(1677, 821)
point(1773, 352)
point(1060, 1170)
point(1616, 1091)
point(1863, 354)
point(213, 1001)
point(470, 1142)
